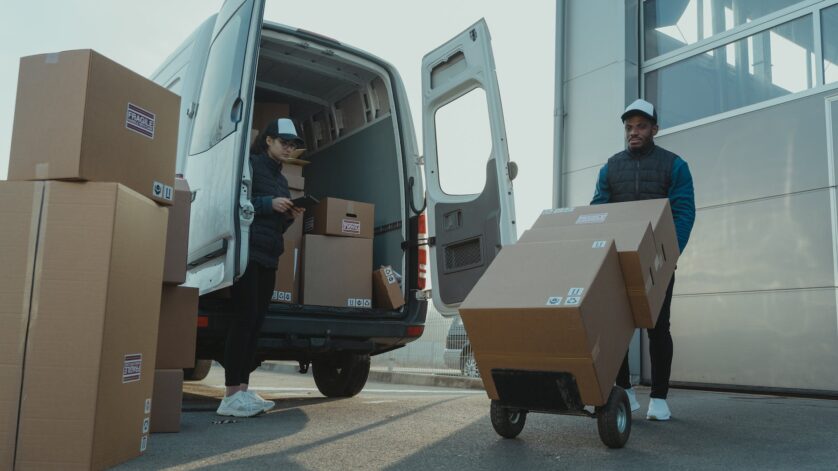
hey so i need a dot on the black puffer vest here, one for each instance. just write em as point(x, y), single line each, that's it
point(266, 243)
point(642, 177)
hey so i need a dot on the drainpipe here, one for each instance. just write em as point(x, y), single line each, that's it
point(558, 111)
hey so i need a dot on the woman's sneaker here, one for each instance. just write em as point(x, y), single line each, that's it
point(632, 395)
point(658, 410)
point(239, 404)
point(265, 404)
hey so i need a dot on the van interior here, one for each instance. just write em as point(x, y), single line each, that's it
point(341, 105)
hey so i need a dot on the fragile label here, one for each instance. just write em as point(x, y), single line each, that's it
point(162, 191)
point(599, 244)
point(575, 291)
point(140, 121)
point(554, 301)
point(281, 296)
point(146, 423)
point(131, 367)
point(350, 226)
point(147, 408)
point(572, 301)
point(596, 218)
point(359, 302)
point(558, 210)
point(143, 443)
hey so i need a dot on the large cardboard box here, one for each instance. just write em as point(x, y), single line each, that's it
point(264, 112)
point(167, 400)
point(386, 289)
point(336, 271)
point(293, 171)
point(552, 307)
point(178, 328)
point(177, 235)
point(95, 287)
point(286, 288)
point(339, 217)
point(81, 116)
point(639, 260)
point(20, 204)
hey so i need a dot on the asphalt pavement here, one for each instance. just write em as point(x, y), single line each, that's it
point(417, 427)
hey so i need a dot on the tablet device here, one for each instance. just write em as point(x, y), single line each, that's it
point(306, 202)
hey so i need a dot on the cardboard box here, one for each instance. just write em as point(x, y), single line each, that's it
point(336, 271)
point(177, 235)
point(614, 221)
point(339, 217)
point(386, 289)
point(81, 116)
point(167, 400)
point(639, 261)
point(264, 112)
point(529, 312)
point(95, 287)
point(287, 285)
point(178, 328)
point(19, 210)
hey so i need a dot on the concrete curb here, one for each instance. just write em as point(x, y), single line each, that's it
point(394, 377)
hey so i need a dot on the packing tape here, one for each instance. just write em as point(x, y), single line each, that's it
point(42, 170)
point(51, 58)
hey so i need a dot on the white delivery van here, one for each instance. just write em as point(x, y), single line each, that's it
point(353, 112)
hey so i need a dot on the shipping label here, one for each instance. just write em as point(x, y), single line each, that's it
point(359, 302)
point(140, 121)
point(599, 244)
point(162, 191)
point(596, 218)
point(281, 296)
point(388, 274)
point(554, 301)
point(350, 226)
point(132, 365)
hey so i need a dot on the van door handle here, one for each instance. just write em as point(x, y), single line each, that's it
point(236, 112)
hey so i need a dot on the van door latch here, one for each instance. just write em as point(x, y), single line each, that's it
point(418, 243)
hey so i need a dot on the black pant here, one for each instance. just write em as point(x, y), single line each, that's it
point(660, 352)
point(251, 297)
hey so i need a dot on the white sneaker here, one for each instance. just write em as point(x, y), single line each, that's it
point(239, 404)
point(633, 399)
point(265, 404)
point(658, 410)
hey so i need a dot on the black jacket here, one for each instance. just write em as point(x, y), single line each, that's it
point(266, 243)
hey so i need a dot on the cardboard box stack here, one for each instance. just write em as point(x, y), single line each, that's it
point(83, 261)
point(287, 286)
point(568, 296)
point(337, 254)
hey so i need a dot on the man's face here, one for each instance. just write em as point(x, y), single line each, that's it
point(639, 132)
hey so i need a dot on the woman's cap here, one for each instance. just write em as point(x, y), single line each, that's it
point(284, 129)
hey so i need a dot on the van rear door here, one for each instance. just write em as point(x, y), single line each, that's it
point(472, 215)
point(216, 166)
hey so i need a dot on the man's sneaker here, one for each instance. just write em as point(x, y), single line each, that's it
point(658, 410)
point(239, 404)
point(633, 399)
point(265, 404)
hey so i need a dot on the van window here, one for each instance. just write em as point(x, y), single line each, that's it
point(463, 143)
point(222, 84)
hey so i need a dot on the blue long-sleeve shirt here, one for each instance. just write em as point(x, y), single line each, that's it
point(681, 198)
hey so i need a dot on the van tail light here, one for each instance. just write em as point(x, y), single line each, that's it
point(423, 254)
point(415, 330)
point(203, 321)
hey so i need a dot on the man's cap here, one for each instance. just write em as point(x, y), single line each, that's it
point(284, 129)
point(640, 108)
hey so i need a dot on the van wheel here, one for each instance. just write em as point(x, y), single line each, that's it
point(199, 372)
point(341, 375)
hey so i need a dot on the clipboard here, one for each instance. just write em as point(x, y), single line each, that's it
point(306, 202)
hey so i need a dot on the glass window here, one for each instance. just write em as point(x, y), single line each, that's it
point(463, 143)
point(672, 24)
point(829, 31)
point(215, 118)
point(769, 64)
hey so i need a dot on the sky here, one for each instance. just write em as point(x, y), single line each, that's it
point(140, 35)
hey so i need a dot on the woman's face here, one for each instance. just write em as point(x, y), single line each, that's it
point(279, 147)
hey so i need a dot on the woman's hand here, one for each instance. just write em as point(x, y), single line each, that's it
point(282, 205)
point(296, 212)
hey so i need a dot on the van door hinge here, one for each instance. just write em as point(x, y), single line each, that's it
point(418, 243)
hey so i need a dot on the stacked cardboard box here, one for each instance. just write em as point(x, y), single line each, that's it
point(85, 260)
point(337, 254)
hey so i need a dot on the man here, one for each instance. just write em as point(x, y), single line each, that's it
point(645, 171)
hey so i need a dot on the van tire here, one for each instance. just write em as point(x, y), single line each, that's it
point(342, 375)
point(199, 372)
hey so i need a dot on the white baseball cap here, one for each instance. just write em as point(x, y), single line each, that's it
point(640, 108)
point(284, 128)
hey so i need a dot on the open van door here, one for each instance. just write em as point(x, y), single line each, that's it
point(471, 210)
point(217, 166)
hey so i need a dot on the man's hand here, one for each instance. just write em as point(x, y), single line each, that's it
point(282, 205)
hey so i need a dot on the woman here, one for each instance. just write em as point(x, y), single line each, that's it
point(274, 213)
